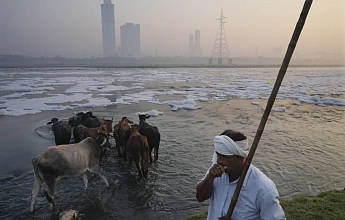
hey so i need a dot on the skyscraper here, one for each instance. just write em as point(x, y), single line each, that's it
point(191, 45)
point(130, 40)
point(194, 44)
point(197, 48)
point(108, 29)
point(197, 38)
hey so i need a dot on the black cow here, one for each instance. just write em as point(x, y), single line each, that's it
point(152, 134)
point(77, 132)
point(74, 121)
point(89, 120)
point(62, 131)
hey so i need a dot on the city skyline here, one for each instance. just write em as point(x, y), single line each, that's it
point(41, 28)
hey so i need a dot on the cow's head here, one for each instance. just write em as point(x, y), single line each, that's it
point(80, 114)
point(144, 117)
point(54, 120)
point(127, 120)
point(74, 120)
point(89, 114)
point(103, 129)
point(83, 116)
point(134, 127)
point(108, 123)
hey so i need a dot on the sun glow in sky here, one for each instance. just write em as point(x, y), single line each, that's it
point(73, 28)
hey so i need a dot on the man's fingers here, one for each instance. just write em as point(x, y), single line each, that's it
point(222, 168)
point(216, 170)
point(214, 173)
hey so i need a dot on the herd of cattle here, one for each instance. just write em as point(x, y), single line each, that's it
point(91, 142)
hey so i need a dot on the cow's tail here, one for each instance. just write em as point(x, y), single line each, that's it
point(35, 162)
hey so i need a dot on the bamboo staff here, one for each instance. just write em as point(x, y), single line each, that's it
point(282, 71)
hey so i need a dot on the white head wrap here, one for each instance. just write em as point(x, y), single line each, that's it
point(226, 146)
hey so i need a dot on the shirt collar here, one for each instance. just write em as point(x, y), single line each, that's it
point(245, 179)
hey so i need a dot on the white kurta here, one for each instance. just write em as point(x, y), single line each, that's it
point(258, 198)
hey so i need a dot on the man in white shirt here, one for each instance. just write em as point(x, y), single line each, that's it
point(258, 198)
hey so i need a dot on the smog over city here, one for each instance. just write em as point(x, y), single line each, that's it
point(73, 29)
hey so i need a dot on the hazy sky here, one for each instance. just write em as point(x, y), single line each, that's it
point(72, 28)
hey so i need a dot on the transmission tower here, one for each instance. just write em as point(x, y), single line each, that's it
point(220, 48)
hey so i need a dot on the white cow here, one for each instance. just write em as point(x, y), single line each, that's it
point(66, 161)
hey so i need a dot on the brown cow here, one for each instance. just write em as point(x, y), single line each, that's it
point(108, 123)
point(123, 133)
point(138, 149)
point(152, 134)
point(93, 133)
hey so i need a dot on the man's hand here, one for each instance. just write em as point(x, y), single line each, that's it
point(217, 170)
point(204, 188)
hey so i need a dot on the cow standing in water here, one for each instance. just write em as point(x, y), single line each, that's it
point(138, 149)
point(62, 131)
point(121, 137)
point(62, 161)
point(108, 123)
point(89, 120)
point(152, 134)
point(93, 133)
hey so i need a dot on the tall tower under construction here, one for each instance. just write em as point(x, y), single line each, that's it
point(108, 29)
point(220, 48)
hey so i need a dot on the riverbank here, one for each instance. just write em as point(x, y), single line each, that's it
point(326, 205)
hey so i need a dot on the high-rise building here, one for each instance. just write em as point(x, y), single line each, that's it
point(194, 44)
point(130, 40)
point(108, 29)
point(197, 38)
point(191, 45)
point(197, 48)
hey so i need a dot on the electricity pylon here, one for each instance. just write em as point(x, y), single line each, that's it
point(220, 48)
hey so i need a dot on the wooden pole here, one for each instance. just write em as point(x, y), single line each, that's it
point(282, 71)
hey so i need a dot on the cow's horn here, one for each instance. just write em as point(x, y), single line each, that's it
point(104, 141)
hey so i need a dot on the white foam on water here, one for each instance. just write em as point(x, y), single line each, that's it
point(34, 91)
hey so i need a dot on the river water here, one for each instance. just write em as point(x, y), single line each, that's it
point(302, 148)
